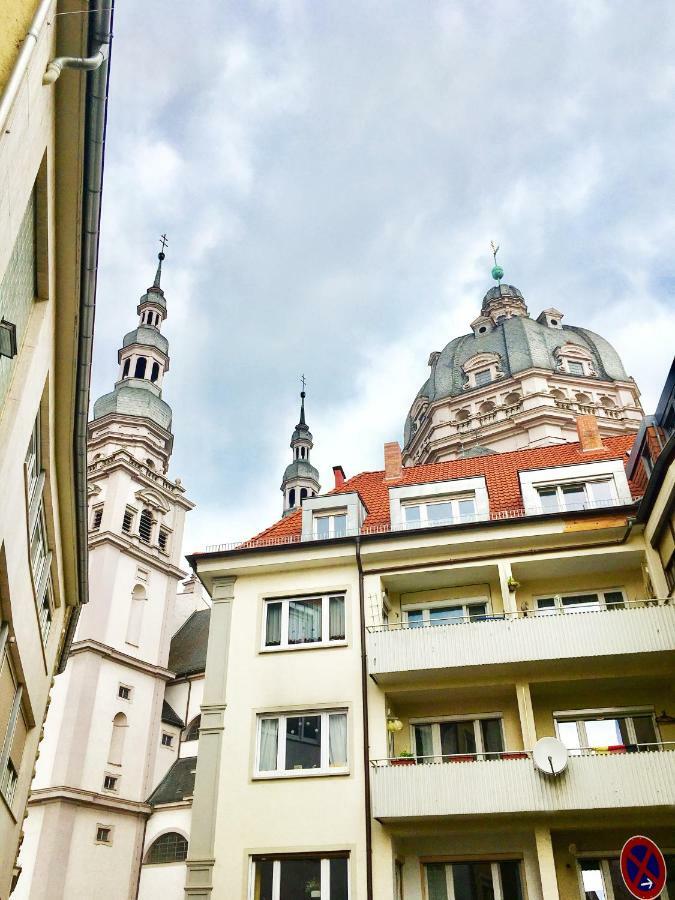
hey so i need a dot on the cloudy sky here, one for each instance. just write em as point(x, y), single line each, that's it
point(330, 175)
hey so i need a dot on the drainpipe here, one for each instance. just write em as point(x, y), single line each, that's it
point(28, 46)
point(366, 740)
point(88, 63)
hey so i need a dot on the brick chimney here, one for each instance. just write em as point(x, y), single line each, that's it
point(339, 474)
point(392, 461)
point(589, 436)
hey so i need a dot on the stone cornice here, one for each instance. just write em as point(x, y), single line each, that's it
point(177, 804)
point(122, 460)
point(108, 652)
point(138, 550)
point(93, 799)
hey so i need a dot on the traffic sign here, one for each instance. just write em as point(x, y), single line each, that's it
point(643, 868)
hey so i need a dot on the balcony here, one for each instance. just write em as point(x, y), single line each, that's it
point(517, 641)
point(508, 786)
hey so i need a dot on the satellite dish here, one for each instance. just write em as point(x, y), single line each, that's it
point(550, 756)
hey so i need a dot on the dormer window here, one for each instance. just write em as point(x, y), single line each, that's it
point(331, 525)
point(575, 368)
point(445, 511)
point(577, 496)
point(484, 377)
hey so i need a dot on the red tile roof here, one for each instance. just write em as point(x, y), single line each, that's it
point(500, 471)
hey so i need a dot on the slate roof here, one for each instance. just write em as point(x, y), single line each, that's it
point(178, 783)
point(135, 400)
point(187, 654)
point(500, 471)
point(170, 716)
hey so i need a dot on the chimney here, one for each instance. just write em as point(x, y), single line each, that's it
point(339, 474)
point(392, 461)
point(589, 436)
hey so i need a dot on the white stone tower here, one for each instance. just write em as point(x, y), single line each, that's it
point(99, 756)
point(301, 479)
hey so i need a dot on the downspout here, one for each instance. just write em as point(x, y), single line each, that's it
point(140, 864)
point(88, 63)
point(28, 46)
point(366, 739)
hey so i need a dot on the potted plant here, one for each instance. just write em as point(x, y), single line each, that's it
point(313, 888)
point(405, 758)
point(513, 585)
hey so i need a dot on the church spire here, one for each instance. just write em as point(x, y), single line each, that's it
point(301, 479)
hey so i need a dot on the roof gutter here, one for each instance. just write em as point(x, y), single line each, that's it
point(96, 109)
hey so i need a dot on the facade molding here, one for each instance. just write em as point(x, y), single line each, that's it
point(107, 652)
point(135, 548)
point(93, 799)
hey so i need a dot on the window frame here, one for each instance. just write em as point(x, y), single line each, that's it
point(126, 687)
point(96, 517)
point(475, 718)
point(325, 770)
point(490, 377)
point(423, 503)
point(464, 602)
point(560, 609)
point(165, 862)
point(133, 513)
point(331, 515)
point(325, 641)
point(107, 841)
point(164, 743)
point(580, 716)
point(495, 871)
point(115, 779)
point(586, 483)
point(278, 859)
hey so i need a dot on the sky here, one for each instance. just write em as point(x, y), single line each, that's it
point(330, 175)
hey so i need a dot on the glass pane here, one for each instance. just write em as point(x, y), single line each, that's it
point(574, 496)
point(549, 499)
point(546, 605)
point(510, 875)
point(575, 368)
point(483, 377)
point(304, 621)
point(423, 741)
point(467, 509)
point(614, 600)
point(412, 513)
point(644, 730)
point(322, 526)
point(446, 615)
point(338, 879)
point(602, 493)
point(569, 734)
point(477, 610)
point(618, 886)
point(273, 626)
point(491, 730)
point(439, 512)
point(336, 618)
point(269, 736)
point(337, 740)
point(581, 601)
point(591, 877)
point(473, 881)
point(457, 738)
point(303, 742)
point(415, 618)
point(340, 525)
point(436, 882)
point(603, 732)
point(300, 879)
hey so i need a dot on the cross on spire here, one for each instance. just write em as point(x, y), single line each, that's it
point(163, 241)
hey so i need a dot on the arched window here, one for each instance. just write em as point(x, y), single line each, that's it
point(486, 407)
point(125, 370)
point(583, 398)
point(169, 848)
point(138, 600)
point(291, 497)
point(192, 733)
point(119, 728)
point(303, 494)
point(145, 526)
point(154, 375)
point(513, 397)
point(558, 394)
point(607, 402)
point(302, 452)
point(141, 363)
point(462, 415)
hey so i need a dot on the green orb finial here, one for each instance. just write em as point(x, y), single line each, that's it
point(497, 271)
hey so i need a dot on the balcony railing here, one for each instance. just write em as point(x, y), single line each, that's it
point(510, 784)
point(521, 637)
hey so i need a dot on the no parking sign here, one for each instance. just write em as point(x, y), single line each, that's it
point(643, 868)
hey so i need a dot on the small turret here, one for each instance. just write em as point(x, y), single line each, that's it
point(301, 479)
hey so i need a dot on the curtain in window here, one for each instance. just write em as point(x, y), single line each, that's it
point(337, 740)
point(273, 626)
point(424, 745)
point(436, 881)
point(337, 618)
point(269, 735)
point(304, 621)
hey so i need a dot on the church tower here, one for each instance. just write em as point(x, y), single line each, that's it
point(103, 751)
point(301, 479)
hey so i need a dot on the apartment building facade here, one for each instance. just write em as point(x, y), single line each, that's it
point(52, 124)
point(382, 662)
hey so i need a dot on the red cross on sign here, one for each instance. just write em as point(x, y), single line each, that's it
point(643, 868)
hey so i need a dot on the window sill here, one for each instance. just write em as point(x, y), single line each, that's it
point(319, 645)
point(299, 773)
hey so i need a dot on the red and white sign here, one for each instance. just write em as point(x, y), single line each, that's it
point(643, 868)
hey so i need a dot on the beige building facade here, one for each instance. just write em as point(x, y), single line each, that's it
point(51, 153)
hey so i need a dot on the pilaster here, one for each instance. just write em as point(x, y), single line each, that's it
point(549, 882)
point(526, 714)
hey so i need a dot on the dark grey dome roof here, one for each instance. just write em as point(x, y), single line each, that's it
point(476, 451)
point(134, 400)
point(153, 295)
point(144, 334)
point(300, 468)
point(502, 291)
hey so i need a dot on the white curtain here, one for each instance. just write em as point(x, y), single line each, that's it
point(424, 744)
point(336, 617)
point(304, 621)
point(269, 738)
point(273, 630)
point(337, 740)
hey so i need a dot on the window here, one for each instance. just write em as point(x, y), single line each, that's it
point(582, 495)
point(97, 515)
point(448, 511)
point(128, 520)
point(110, 783)
point(299, 742)
point(607, 730)
point(474, 880)
point(484, 377)
point(454, 739)
point(167, 739)
point(601, 879)
point(169, 848)
point(124, 692)
point(581, 602)
point(301, 878)
point(154, 374)
point(13, 730)
point(329, 526)
point(119, 727)
point(291, 497)
point(136, 610)
point(141, 364)
point(9, 781)
point(192, 732)
point(163, 539)
point(45, 611)
point(103, 834)
point(125, 370)
point(575, 368)
point(145, 526)
point(33, 460)
point(446, 613)
point(301, 621)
